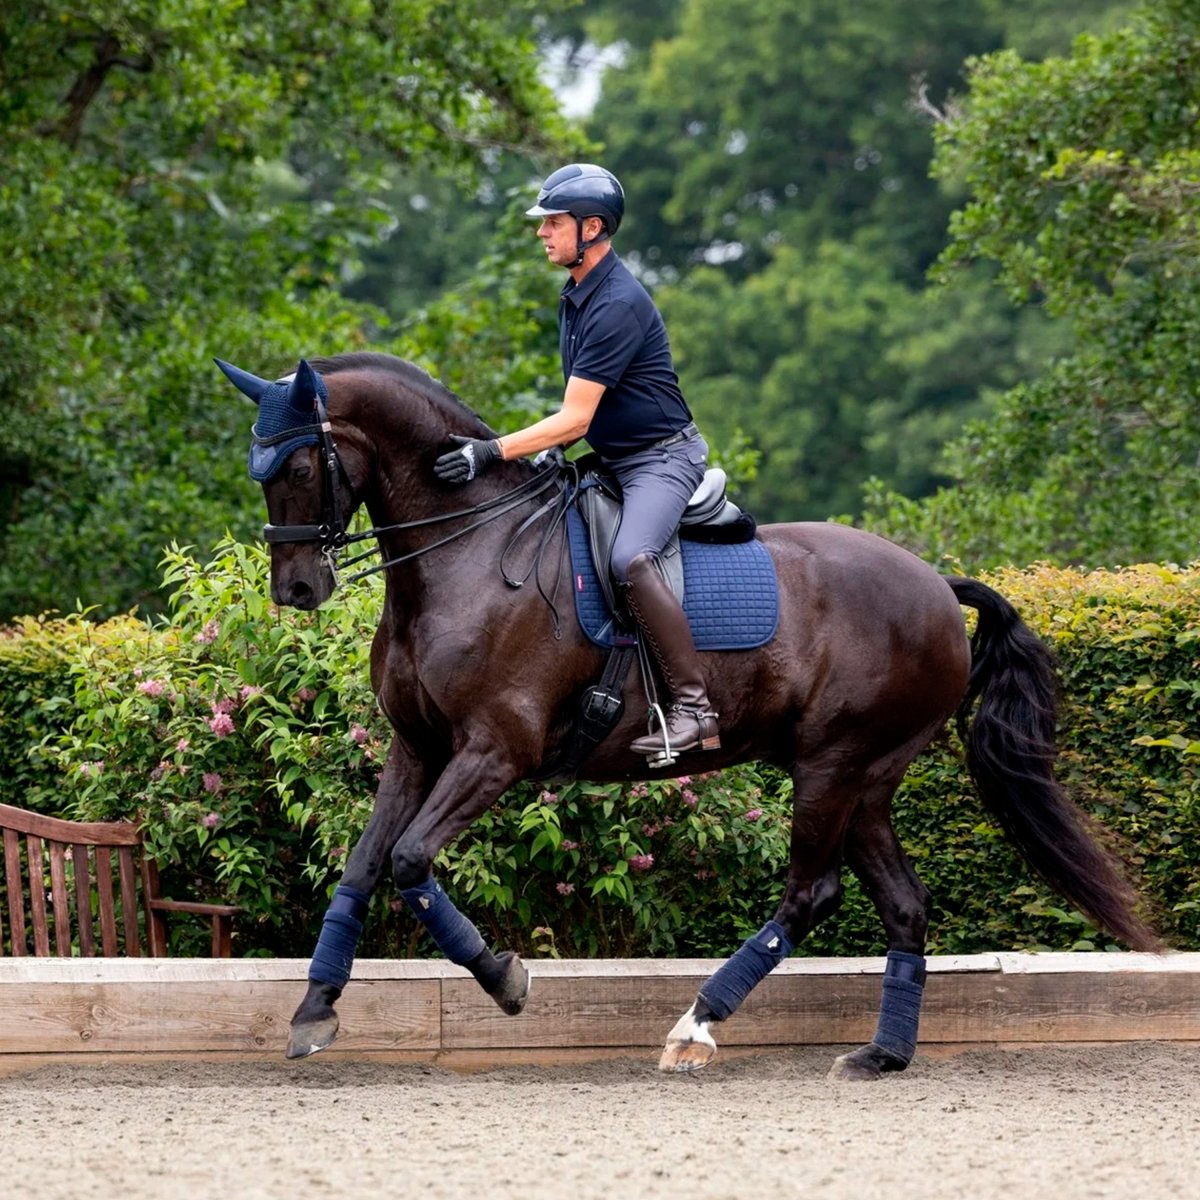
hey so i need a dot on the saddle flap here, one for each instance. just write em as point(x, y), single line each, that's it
point(599, 504)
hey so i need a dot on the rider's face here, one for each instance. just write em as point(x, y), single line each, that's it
point(560, 238)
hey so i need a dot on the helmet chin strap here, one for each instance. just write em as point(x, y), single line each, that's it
point(582, 246)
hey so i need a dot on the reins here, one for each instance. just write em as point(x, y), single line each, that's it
point(334, 538)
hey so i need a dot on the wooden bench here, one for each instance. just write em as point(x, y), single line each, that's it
point(96, 872)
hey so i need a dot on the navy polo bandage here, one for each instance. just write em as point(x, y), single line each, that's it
point(340, 931)
point(754, 960)
point(900, 1008)
point(455, 936)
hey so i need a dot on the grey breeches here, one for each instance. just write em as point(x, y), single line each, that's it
point(656, 485)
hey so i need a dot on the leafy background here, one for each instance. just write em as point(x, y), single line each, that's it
point(930, 270)
point(247, 743)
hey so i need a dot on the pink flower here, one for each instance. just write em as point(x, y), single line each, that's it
point(564, 889)
point(359, 733)
point(249, 691)
point(566, 845)
point(88, 769)
point(152, 687)
point(221, 725)
point(638, 791)
point(650, 830)
point(210, 820)
point(182, 745)
point(159, 771)
point(641, 862)
point(306, 694)
point(209, 633)
point(684, 780)
point(222, 707)
point(212, 781)
point(548, 798)
point(754, 814)
point(690, 798)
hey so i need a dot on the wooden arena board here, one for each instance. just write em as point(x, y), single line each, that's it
point(52, 1006)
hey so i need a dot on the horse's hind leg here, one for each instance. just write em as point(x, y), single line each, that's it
point(399, 796)
point(824, 799)
point(902, 901)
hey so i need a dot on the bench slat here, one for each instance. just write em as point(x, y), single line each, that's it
point(83, 901)
point(16, 898)
point(37, 895)
point(129, 907)
point(104, 889)
point(60, 899)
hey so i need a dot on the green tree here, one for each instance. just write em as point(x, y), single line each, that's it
point(777, 163)
point(190, 178)
point(1084, 186)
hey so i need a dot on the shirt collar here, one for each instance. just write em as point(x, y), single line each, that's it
point(577, 293)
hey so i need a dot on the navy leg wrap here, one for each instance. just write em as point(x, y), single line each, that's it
point(455, 936)
point(900, 1008)
point(334, 955)
point(754, 960)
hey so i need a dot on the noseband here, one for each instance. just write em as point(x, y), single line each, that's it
point(333, 536)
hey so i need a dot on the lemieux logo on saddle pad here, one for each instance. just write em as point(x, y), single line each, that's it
point(730, 593)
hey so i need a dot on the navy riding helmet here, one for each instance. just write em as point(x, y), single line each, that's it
point(583, 190)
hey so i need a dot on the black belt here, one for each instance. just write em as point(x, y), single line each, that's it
point(690, 430)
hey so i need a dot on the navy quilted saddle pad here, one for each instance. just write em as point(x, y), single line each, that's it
point(730, 593)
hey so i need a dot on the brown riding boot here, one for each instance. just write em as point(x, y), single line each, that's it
point(691, 723)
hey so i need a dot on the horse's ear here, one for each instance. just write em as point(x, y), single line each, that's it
point(305, 387)
point(249, 384)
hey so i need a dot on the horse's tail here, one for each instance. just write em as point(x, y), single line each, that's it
point(1011, 751)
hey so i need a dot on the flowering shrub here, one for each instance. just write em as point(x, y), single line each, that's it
point(247, 743)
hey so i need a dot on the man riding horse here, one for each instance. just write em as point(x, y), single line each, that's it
point(623, 395)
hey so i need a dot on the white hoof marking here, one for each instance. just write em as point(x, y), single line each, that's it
point(689, 1046)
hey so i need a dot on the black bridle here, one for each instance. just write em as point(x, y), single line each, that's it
point(334, 537)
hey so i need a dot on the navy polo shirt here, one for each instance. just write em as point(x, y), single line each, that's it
point(610, 332)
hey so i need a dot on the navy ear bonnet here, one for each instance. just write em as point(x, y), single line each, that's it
point(287, 415)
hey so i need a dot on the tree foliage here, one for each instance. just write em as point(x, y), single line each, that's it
point(188, 179)
point(779, 193)
point(1084, 187)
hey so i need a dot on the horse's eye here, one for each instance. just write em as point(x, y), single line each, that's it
point(301, 471)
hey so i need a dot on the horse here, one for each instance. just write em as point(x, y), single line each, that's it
point(871, 658)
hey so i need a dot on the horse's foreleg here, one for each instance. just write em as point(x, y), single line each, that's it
point(813, 891)
point(315, 1023)
point(902, 901)
point(468, 786)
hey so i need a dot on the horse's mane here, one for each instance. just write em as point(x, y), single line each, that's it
point(415, 378)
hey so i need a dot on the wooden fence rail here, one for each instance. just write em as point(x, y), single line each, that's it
point(50, 1006)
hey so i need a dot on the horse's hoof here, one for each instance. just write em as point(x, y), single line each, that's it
point(689, 1055)
point(311, 1036)
point(864, 1065)
point(513, 990)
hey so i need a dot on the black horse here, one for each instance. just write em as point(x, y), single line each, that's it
point(869, 661)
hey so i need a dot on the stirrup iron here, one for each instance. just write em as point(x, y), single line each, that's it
point(664, 757)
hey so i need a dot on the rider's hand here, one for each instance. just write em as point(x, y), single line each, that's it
point(473, 456)
point(550, 460)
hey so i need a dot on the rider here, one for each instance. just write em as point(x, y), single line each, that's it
point(622, 393)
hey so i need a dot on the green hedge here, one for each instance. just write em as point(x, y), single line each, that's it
point(246, 741)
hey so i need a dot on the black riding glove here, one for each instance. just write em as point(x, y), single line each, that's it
point(473, 456)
